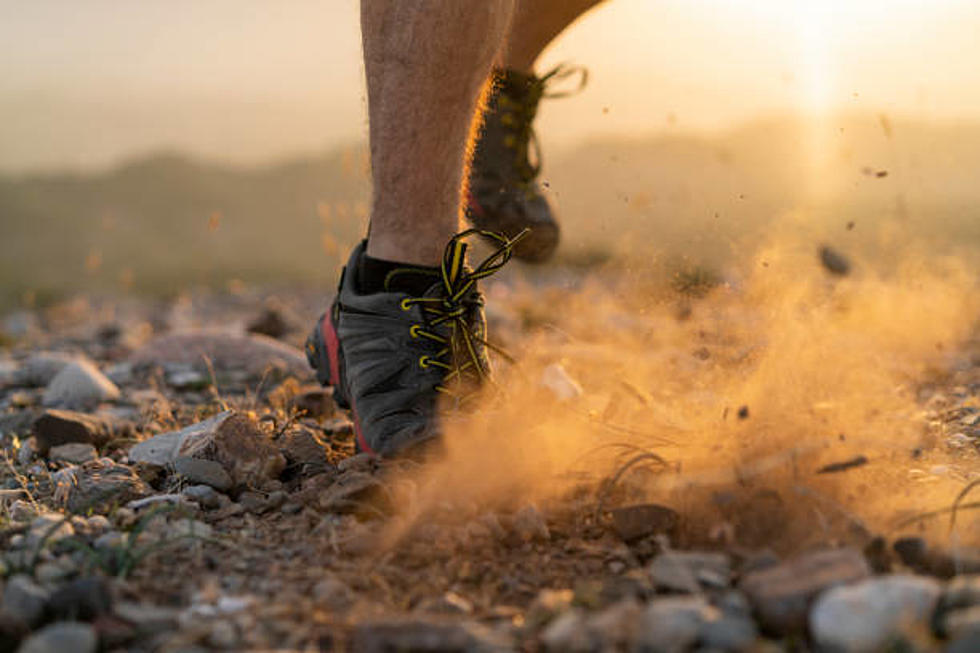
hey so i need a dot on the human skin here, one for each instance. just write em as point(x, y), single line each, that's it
point(427, 64)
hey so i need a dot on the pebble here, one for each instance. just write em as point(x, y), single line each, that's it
point(22, 511)
point(333, 594)
point(24, 599)
point(291, 508)
point(529, 525)
point(56, 427)
point(958, 623)
point(181, 378)
point(449, 603)
point(726, 631)
point(224, 634)
point(75, 453)
point(84, 599)
point(687, 571)
point(614, 628)
point(421, 633)
point(101, 484)
point(231, 439)
point(207, 472)
point(110, 540)
point(253, 502)
point(190, 527)
point(961, 592)
point(781, 594)
point(868, 615)
point(672, 624)
point(275, 499)
point(26, 452)
point(120, 373)
point(203, 495)
point(304, 450)
point(39, 369)
point(567, 633)
point(62, 638)
point(49, 527)
point(547, 605)
point(636, 522)
point(148, 619)
point(98, 524)
point(81, 386)
point(50, 573)
point(969, 642)
point(253, 355)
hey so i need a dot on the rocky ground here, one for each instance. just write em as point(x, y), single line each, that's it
point(170, 488)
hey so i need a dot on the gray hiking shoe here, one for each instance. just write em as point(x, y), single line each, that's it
point(399, 362)
point(504, 195)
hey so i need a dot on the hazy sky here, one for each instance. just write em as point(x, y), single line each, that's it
point(87, 82)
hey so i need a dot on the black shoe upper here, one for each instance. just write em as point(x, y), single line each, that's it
point(504, 194)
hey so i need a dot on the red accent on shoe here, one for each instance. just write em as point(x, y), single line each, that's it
point(333, 353)
point(333, 347)
point(365, 447)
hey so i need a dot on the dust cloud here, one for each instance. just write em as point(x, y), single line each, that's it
point(784, 400)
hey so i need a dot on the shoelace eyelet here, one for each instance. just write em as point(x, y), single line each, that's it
point(414, 331)
point(424, 362)
point(406, 306)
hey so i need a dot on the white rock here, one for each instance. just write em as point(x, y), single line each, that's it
point(865, 616)
point(164, 449)
point(39, 369)
point(562, 385)
point(80, 386)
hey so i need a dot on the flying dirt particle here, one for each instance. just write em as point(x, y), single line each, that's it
point(214, 221)
point(850, 225)
point(743, 412)
point(844, 465)
point(881, 174)
point(834, 262)
point(886, 125)
point(605, 109)
point(560, 382)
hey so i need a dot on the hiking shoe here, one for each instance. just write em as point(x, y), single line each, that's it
point(504, 195)
point(400, 362)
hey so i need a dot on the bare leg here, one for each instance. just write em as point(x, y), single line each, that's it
point(536, 24)
point(427, 64)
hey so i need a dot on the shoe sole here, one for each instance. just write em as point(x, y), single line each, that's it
point(537, 247)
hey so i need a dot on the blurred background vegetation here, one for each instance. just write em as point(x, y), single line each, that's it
point(160, 223)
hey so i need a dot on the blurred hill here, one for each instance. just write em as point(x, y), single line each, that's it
point(162, 222)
